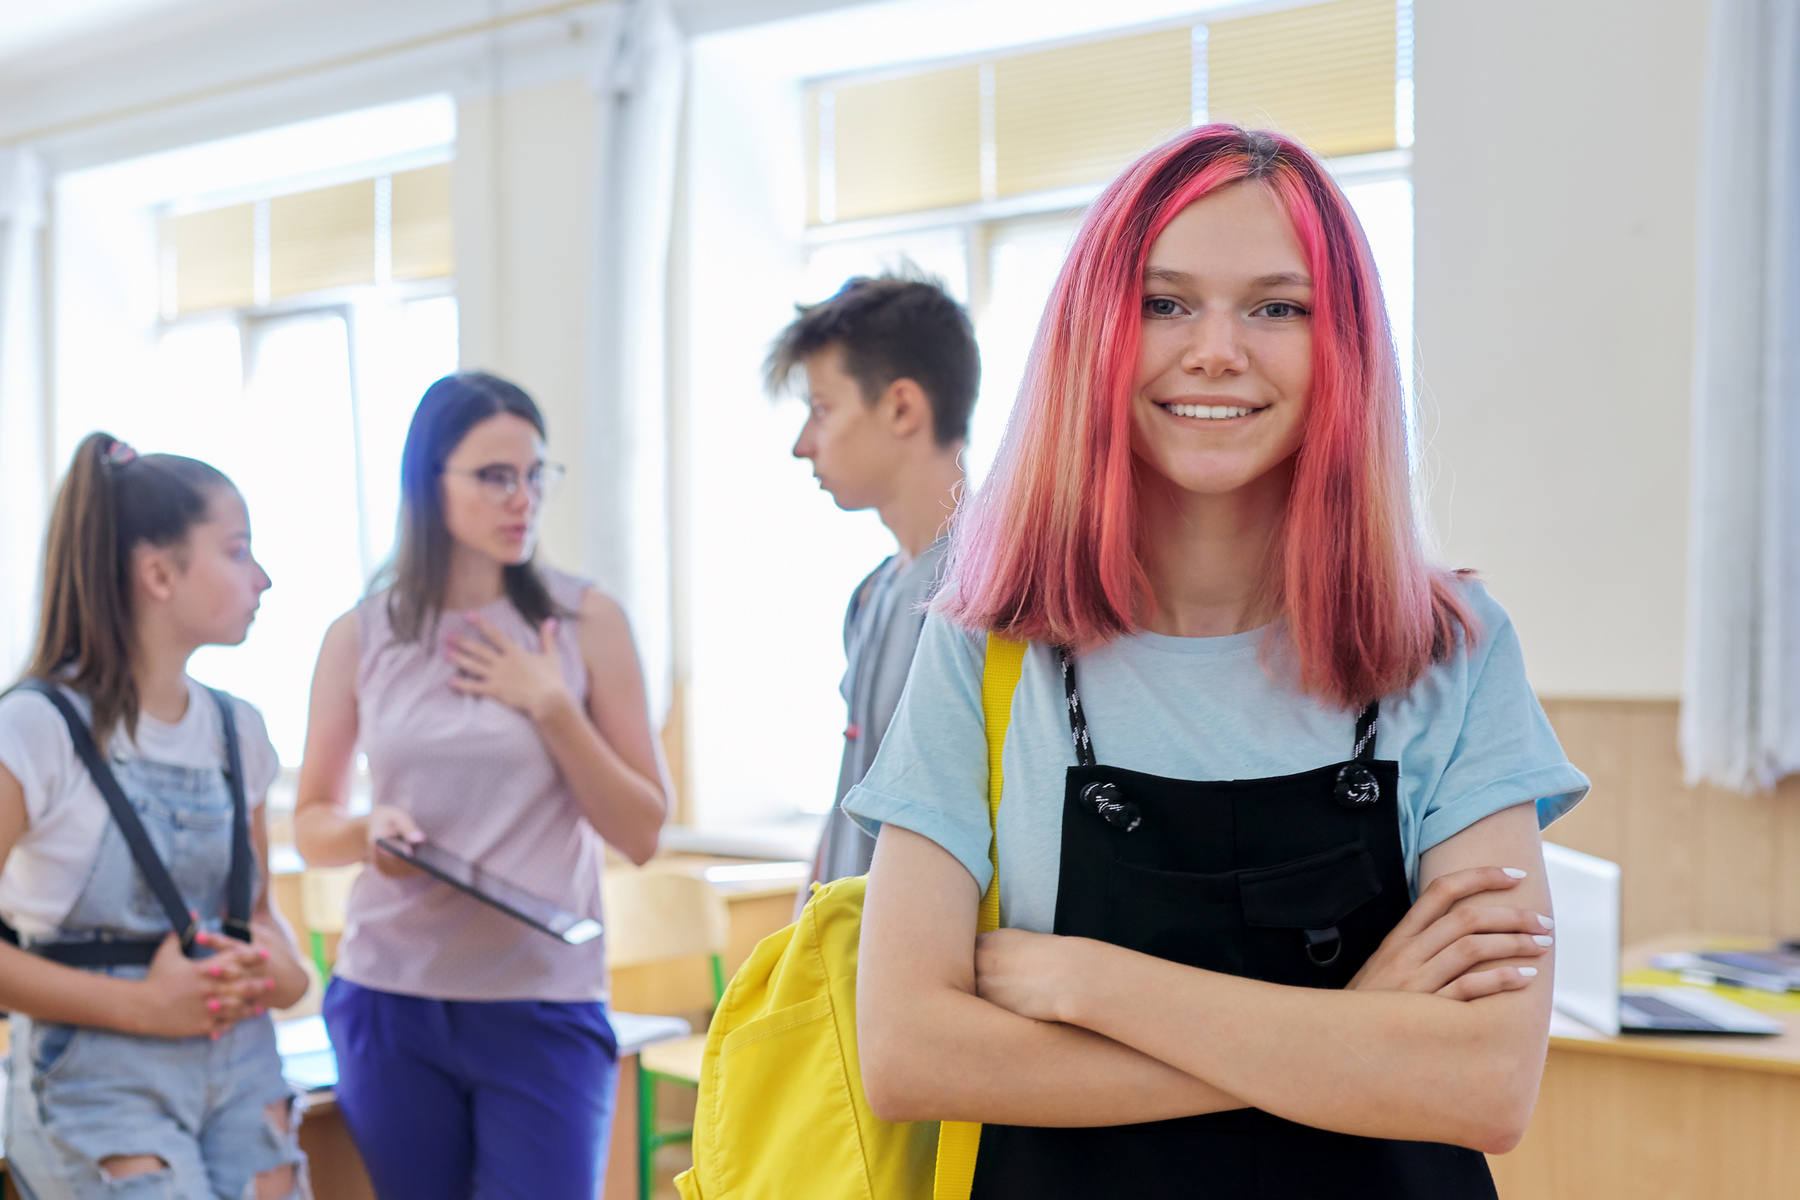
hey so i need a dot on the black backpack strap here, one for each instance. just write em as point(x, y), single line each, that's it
point(237, 883)
point(149, 864)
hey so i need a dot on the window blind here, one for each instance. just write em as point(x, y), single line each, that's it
point(390, 227)
point(1038, 120)
point(322, 239)
point(1324, 73)
point(896, 145)
point(209, 258)
point(423, 238)
point(1075, 115)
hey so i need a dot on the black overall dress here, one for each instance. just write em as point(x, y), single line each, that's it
point(1292, 880)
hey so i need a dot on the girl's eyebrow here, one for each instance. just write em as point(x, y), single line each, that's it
point(1183, 279)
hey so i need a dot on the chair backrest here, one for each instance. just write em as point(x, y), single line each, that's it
point(655, 916)
point(324, 896)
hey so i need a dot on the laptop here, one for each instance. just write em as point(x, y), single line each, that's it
point(1585, 893)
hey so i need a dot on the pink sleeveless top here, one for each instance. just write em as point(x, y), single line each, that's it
point(480, 782)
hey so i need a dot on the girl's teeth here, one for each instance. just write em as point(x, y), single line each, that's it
point(1209, 412)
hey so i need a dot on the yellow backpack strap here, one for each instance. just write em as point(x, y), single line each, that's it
point(959, 1141)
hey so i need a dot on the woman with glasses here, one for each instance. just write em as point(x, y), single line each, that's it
point(501, 709)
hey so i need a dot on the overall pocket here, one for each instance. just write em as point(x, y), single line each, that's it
point(1302, 906)
point(50, 1046)
point(1202, 920)
point(1175, 915)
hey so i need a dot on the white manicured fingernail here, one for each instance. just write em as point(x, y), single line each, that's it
point(1543, 939)
point(1513, 872)
point(1546, 922)
point(1528, 971)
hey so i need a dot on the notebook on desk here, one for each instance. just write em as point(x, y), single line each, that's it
point(1585, 892)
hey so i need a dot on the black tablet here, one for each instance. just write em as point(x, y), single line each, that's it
point(490, 889)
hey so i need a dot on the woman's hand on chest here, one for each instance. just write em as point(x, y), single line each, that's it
point(495, 666)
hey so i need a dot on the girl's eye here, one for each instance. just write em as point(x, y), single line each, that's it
point(1283, 310)
point(1161, 306)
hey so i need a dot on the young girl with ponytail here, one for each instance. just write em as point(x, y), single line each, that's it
point(133, 856)
point(1273, 913)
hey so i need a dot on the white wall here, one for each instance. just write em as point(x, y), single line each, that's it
point(1555, 173)
point(524, 185)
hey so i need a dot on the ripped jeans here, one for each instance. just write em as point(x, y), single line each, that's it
point(79, 1096)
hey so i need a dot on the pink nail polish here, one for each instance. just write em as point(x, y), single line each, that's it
point(258, 1010)
point(212, 1006)
point(214, 1035)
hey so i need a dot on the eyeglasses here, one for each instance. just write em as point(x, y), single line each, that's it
point(502, 482)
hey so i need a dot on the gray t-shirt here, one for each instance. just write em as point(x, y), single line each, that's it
point(881, 631)
point(1470, 738)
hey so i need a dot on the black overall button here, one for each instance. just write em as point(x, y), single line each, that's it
point(1107, 802)
point(1356, 786)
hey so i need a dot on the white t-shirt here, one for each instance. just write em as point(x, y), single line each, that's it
point(65, 813)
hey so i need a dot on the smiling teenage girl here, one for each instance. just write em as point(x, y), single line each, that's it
point(1212, 977)
point(139, 1070)
point(502, 710)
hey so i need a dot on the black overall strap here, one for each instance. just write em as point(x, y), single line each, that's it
point(1366, 722)
point(237, 883)
point(1078, 728)
point(149, 864)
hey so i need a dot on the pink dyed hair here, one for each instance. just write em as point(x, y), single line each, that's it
point(1048, 548)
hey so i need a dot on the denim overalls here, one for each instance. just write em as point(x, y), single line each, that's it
point(80, 1095)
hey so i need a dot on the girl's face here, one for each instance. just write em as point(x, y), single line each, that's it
point(1225, 364)
point(211, 584)
point(501, 452)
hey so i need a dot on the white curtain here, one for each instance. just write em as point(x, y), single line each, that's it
point(23, 484)
point(639, 86)
point(1740, 718)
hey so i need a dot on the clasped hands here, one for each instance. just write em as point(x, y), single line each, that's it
point(1437, 948)
point(195, 997)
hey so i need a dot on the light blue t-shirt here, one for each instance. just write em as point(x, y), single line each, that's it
point(1470, 737)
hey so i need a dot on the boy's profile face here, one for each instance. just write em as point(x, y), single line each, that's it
point(849, 441)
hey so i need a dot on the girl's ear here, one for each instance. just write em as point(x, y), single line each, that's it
point(154, 570)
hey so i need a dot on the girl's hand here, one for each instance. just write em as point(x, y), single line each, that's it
point(1032, 974)
point(241, 970)
point(1440, 948)
point(182, 999)
point(499, 668)
point(394, 824)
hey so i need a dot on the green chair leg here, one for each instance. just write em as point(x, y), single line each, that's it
point(646, 1133)
point(318, 957)
point(650, 1139)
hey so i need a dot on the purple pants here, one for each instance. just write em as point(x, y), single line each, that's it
point(474, 1100)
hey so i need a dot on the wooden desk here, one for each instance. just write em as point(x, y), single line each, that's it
point(1660, 1117)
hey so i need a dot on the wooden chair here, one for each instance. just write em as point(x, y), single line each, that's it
point(654, 917)
point(324, 897)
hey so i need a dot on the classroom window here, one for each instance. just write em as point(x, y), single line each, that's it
point(274, 305)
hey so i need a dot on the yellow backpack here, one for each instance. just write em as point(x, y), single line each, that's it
point(781, 1111)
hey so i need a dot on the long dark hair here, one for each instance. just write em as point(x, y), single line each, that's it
point(111, 499)
point(420, 569)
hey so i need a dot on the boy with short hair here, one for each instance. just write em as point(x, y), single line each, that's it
point(891, 372)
